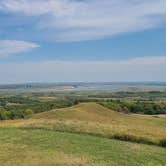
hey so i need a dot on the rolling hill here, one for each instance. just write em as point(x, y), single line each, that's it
point(86, 134)
point(94, 119)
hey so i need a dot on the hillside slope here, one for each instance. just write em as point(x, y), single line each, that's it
point(94, 119)
point(94, 112)
point(79, 135)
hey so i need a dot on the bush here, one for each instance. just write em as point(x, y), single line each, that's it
point(163, 143)
point(5, 115)
point(27, 113)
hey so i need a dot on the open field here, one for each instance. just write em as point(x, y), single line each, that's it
point(86, 134)
point(21, 147)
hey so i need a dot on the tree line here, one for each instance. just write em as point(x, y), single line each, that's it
point(150, 108)
point(25, 107)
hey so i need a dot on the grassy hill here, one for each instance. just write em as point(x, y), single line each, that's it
point(94, 119)
point(94, 112)
point(82, 135)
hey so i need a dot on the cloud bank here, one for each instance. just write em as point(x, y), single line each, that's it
point(79, 20)
point(10, 47)
point(138, 69)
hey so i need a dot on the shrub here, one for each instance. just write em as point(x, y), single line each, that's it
point(163, 143)
point(27, 113)
point(5, 115)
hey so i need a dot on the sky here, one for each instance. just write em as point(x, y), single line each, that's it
point(82, 41)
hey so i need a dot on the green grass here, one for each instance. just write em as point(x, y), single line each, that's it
point(48, 148)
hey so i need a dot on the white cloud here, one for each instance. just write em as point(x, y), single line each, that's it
point(138, 69)
point(76, 20)
point(10, 47)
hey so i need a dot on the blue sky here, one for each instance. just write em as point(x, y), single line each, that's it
point(65, 39)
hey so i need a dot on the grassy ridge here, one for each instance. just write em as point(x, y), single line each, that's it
point(94, 119)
